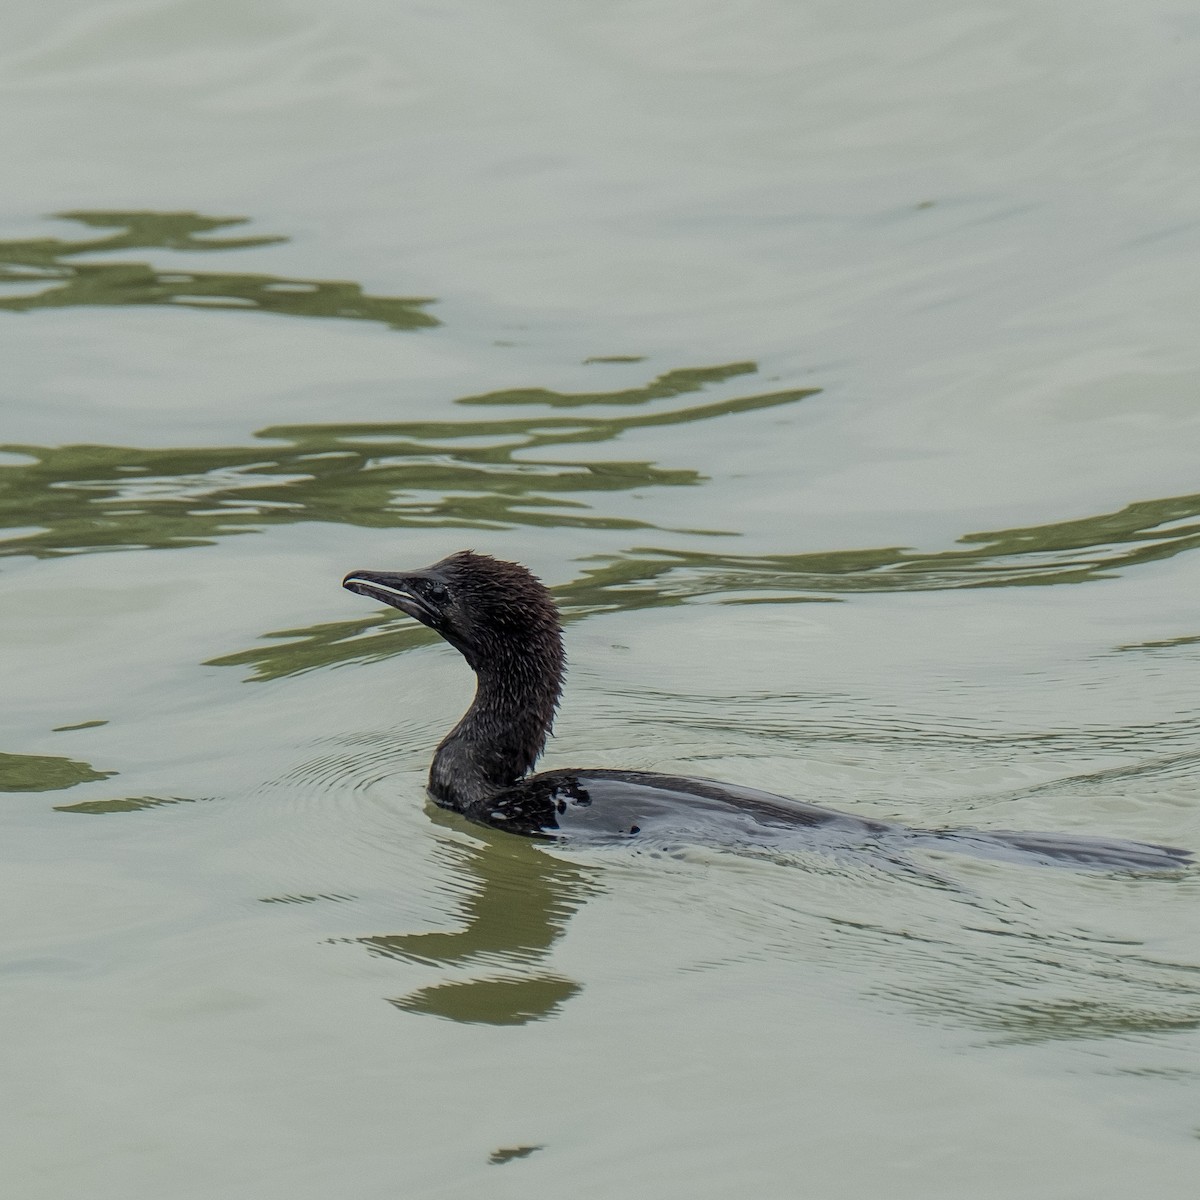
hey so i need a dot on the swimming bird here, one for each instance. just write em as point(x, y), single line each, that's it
point(504, 622)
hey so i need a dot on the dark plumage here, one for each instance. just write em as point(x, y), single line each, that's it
point(504, 622)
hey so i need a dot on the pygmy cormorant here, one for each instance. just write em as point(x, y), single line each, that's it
point(503, 621)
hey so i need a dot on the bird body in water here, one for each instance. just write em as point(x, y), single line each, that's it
point(505, 623)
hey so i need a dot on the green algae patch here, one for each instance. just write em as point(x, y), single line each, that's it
point(99, 808)
point(44, 773)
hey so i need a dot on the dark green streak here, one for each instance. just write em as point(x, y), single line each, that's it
point(460, 474)
point(506, 1154)
point(44, 773)
point(99, 808)
point(673, 383)
point(68, 282)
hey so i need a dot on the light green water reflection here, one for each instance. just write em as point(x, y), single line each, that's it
point(51, 273)
point(464, 474)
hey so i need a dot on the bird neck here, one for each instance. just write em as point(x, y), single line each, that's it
point(503, 732)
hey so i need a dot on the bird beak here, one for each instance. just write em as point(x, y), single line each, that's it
point(395, 590)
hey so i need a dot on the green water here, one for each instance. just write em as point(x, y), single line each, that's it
point(807, 353)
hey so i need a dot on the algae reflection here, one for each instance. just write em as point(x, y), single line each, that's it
point(51, 273)
point(1057, 553)
point(475, 474)
point(45, 773)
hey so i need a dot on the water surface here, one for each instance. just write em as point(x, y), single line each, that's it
point(837, 369)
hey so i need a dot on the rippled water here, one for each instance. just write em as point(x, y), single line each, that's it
point(808, 353)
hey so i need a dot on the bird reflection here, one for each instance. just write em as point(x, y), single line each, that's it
point(520, 900)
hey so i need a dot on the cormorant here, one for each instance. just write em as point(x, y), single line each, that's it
point(504, 622)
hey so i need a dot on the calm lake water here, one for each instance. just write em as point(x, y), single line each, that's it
point(837, 365)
